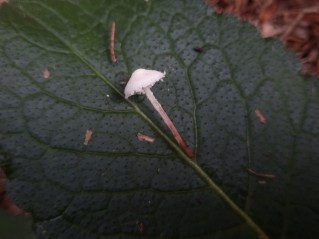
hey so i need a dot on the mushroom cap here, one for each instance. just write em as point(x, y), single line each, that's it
point(140, 79)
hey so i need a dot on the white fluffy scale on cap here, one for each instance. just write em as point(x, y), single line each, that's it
point(140, 79)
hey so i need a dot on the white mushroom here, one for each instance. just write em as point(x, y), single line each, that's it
point(141, 82)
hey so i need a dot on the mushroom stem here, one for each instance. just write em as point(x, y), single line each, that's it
point(168, 122)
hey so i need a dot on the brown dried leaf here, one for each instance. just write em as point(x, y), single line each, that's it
point(294, 22)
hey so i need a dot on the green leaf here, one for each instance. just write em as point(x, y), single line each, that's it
point(15, 227)
point(119, 187)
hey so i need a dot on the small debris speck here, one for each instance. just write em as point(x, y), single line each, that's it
point(46, 74)
point(262, 182)
point(140, 226)
point(260, 116)
point(198, 49)
point(142, 137)
point(263, 175)
point(88, 136)
point(112, 52)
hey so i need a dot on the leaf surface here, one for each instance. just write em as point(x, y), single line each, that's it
point(119, 187)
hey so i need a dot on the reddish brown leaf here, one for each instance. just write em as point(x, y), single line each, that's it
point(294, 22)
point(3, 1)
